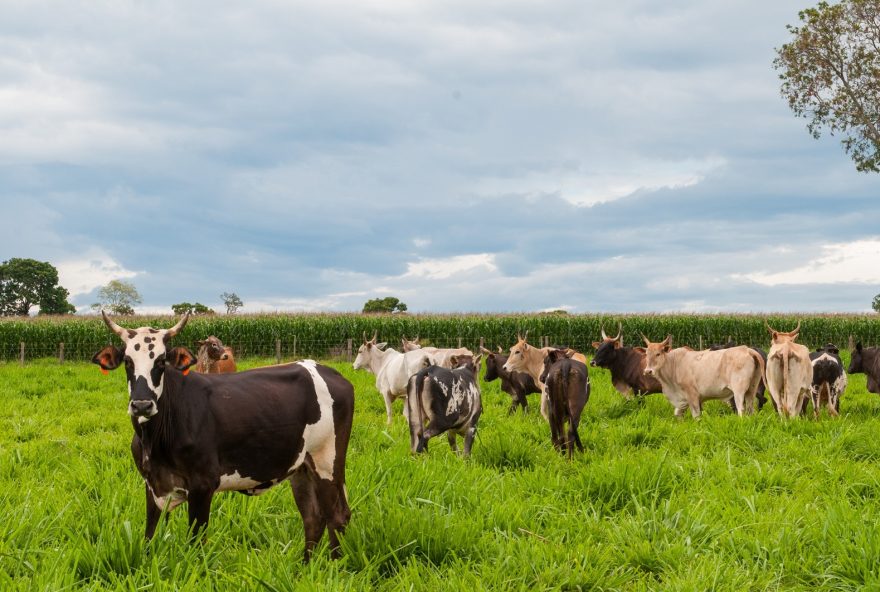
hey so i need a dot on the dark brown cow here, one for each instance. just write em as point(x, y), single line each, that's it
point(627, 366)
point(867, 360)
point(516, 384)
point(213, 357)
point(199, 434)
point(568, 390)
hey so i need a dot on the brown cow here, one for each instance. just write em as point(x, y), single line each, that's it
point(529, 360)
point(789, 372)
point(214, 358)
point(626, 364)
point(568, 390)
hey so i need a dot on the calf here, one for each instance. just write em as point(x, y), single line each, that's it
point(443, 400)
point(829, 379)
point(568, 389)
point(516, 384)
point(690, 377)
point(199, 434)
point(789, 372)
point(627, 366)
point(867, 360)
point(213, 357)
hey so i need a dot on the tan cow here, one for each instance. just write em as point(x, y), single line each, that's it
point(690, 377)
point(442, 357)
point(789, 372)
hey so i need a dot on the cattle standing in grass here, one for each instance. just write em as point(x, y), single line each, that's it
point(529, 360)
point(516, 384)
point(568, 389)
point(829, 379)
point(440, 356)
point(867, 360)
point(392, 369)
point(627, 366)
point(690, 377)
point(789, 372)
point(760, 395)
point(198, 434)
point(213, 357)
point(443, 400)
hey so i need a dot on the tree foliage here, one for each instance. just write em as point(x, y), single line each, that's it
point(25, 283)
point(196, 309)
point(119, 297)
point(830, 74)
point(875, 304)
point(389, 304)
point(232, 302)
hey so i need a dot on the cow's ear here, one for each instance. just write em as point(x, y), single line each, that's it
point(382, 345)
point(478, 360)
point(109, 358)
point(453, 361)
point(181, 358)
point(641, 350)
point(201, 342)
point(596, 345)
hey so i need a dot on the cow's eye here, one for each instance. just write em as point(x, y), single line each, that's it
point(160, 363)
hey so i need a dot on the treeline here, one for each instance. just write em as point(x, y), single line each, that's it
point(327, 335)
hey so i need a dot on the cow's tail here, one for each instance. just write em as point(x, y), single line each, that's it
point(786, 354)
point(758, 376)
point(415, 409)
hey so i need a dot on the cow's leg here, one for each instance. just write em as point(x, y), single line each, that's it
point(693, 401)
point(388, 400)
point(834, 405)
point(450, 435)
point(679, 411)
point(469, 436)
point(335, 511)
point(545, 405)
point(514, 402)
point(739, 399)
point(153, 513)
point(302, 482)
point(199, 502)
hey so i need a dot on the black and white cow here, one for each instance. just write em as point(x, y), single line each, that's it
point(829, 379)
point(441, 400)
point(199, 434)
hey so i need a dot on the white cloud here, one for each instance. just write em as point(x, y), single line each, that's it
point(439, 269)
point(852, 262)
point(89, 271)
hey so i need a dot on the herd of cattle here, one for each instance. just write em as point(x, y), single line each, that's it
point(196, 434)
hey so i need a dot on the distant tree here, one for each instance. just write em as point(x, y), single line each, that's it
point(830, 74)
point(119, 297)
point(876, 303)
point(185, 307)
point(232, 302)
point(389, 304)
point(25, 283)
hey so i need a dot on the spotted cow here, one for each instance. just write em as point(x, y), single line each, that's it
point(196, 435)
point(829, 379)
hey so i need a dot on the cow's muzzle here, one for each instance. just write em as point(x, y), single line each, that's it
point(649, 372)
point(142, 408)
point(593, 363)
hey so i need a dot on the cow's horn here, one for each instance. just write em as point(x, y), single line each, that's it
point(526, 336)
point(647, 341)
point(113, 326)
point(769, 328)
point(619, 331)
point(178, 327)
point(604, 337)
point(797, 329)
point(365, 336)
point(375, 335)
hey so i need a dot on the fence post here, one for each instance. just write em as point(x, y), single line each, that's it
point(701, 343)
point(277, 351)
point(852, 345)
point(61, 353)
point(294, 347)
point(348, 348)
point(459, 342)
point(482, 345)
point(21, 359)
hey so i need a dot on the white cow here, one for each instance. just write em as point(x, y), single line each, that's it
point(789, 372)
point(442, 357)
point(690, 377)
point(392, 369)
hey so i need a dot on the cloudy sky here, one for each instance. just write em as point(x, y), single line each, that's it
point(501, 155)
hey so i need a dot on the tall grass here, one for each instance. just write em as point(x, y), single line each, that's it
point(323, 335)
point(723, 503)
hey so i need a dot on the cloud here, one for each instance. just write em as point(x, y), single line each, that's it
point(852, 262)
point(439, 269)
point(89, 271)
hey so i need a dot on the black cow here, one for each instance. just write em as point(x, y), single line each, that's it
point(197, 434)
point(829, 379)
point(447, 401)
point(867, 361)
point(516, 384)
point(568, 390)
point(627, 366)
point(760, 394)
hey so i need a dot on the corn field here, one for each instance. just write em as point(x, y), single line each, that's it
point(326, 336)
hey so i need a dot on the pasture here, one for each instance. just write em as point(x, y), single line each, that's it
point(722, 503)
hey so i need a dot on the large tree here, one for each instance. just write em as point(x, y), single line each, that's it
point(389, 304)
point(830, 74)
point(232, 302)
point(119, 297)
point(25, 283)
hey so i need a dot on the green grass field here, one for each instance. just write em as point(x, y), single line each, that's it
point(722, 503)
